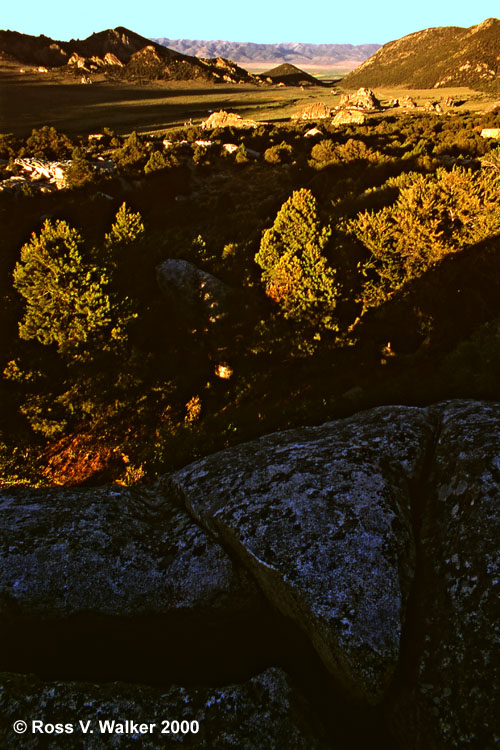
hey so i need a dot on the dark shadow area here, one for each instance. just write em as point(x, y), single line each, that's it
point(186, 650)
point(442, 306)
point(78, 109)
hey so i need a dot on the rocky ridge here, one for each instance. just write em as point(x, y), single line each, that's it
point(120, 53)
point(352, 566)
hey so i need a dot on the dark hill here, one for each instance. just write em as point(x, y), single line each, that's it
point(32, 50)
point(119, 52)
point(120, 41)
point(290, 75)
point(434, 58)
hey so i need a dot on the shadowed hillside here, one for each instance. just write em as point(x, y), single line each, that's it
point(290, 75)
point(119, 53)
point(435, 58)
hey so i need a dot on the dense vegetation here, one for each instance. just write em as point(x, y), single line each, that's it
point(361, 267)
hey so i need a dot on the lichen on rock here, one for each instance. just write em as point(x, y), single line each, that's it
point(321, 516)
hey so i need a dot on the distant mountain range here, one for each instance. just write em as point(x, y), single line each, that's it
point(436, 58)
point(341, 56)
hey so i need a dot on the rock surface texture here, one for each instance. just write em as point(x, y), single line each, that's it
point(223, 119)
point(321, 517)
point(348, 117)
point(454, 666)
point(325, 587)
point(362, 98)
point(316, 111)
point(264, 712)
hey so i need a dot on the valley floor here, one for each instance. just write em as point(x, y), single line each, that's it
point(30, 99)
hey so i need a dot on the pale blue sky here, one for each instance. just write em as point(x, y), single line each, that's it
point(349, 21)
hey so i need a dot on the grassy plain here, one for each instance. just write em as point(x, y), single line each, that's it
point(28, 100)
point(32, 99)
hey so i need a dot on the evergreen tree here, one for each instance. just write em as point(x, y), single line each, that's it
point(126, 229)
point(67, 303)
point(295, 269)
point(156, 161)
point(80, 172)
point(132, 156)
point(47, 143)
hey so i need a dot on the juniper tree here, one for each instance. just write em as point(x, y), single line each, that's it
point(295, 269)
point(126, 229)
point(47, 143)
point(80, 172)
point(67, 298)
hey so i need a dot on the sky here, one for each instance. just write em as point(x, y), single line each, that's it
point(264, 21)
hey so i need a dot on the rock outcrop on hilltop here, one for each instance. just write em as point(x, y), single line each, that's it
point(325, 587)
point(434, 58)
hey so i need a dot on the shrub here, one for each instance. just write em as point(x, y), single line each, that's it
point(327, 152)
point(241, 155)
point(433, 215)
point(9, 146)
point(323, 153)
point(47, 143)
point(280, 154)
point(157, 161)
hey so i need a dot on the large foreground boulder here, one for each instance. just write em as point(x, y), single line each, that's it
point(87, 574)
point(321, 516)
point(108, 550)
point(361, 557)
